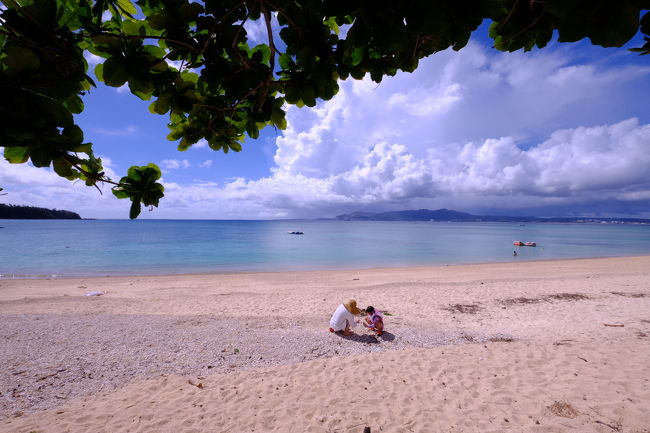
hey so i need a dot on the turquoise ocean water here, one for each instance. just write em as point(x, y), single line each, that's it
point(37, 248)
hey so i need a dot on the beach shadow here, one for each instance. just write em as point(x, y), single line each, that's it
point(367, 338)
point(363, 338)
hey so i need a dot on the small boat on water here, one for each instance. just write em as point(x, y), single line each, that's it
point(295, 233)
point(524, 244)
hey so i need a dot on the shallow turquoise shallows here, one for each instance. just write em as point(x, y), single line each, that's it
point(38, 248)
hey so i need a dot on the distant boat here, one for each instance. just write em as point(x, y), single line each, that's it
point(295, 233)
point(524, 244)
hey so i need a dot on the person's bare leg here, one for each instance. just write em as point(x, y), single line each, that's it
point(347, 329)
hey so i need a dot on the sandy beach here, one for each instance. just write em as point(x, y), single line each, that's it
point(525, 347)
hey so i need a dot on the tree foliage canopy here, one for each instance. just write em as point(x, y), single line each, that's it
point(222, 87)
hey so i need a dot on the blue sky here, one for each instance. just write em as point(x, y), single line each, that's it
point(560, 131)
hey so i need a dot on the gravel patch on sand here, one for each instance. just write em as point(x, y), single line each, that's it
point(49, 359)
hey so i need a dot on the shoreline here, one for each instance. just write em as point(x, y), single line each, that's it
point(524, 341)
point(7, 277)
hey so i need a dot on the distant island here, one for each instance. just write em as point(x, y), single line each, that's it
point(456, 216)
point(10, 212)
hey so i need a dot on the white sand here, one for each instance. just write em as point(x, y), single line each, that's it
point(258, 346)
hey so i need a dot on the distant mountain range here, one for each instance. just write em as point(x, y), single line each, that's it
point(10, 211)
point(452, 215)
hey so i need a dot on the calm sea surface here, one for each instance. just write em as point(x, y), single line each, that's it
point(40, 248)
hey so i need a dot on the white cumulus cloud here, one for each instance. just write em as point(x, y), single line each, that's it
point(41, 187)
point(256, 30)
point(578, 165)
point(173, 164)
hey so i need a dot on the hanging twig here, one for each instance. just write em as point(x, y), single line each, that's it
point(269, 33)
point(286, 17)
point(503, 23)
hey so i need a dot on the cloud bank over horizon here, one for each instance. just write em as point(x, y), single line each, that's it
point(476, 130)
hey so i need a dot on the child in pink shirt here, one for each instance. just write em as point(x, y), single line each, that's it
point(374, 320)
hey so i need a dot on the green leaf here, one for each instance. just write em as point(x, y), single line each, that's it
point(115, 72)
point(74, 135)
point(278, 117)
point(19, 60)
point(132, 28)
point(461, 42)
point(141, 88)
point(119, 193)
point(252, 131)
point(159, 66)
point(62, 167)
point(17, 155)
point(99, 71)
point(159, 21)
point(331, 23)
point(82, 148)
point(357, 55)
point(133, 175)
point(308, 95)
point(616, 27)
point(161, 105)
point(154, 51)
point(104, 45)
point(60, 114)
point(41, 157)
point(190, 77)
point(135, 209)
point(127, 6)
point(263, 52)
point(285, 61)
point(188, 12)
point(74, 104)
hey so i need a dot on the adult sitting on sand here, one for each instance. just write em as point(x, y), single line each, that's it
point(343, 318)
